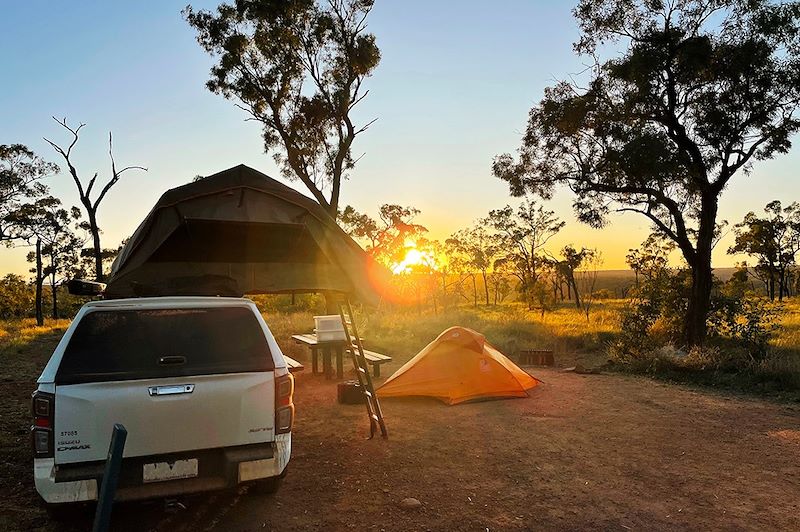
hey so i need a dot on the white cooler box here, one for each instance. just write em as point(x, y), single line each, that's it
point(329, 328)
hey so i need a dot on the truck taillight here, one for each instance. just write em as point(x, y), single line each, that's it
point(284, 405)
point(43, 409)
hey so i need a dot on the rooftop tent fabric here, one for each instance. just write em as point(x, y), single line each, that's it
point(241, 232)
point(458, 366)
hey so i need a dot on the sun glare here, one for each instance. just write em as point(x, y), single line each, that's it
point(414, 257)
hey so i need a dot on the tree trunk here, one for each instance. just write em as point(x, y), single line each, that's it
point(577, 297)
point(474, 291)
point(699, 303)
point(39, 282)
point(571, 281)
point(98, 251)
point(331, 307)
point(485, 287)
point(444, 290)
point(695, 323)
point(53, 291)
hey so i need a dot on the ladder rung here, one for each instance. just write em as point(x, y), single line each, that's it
point(355, 348)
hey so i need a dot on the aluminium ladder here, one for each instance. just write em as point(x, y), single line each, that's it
point(356, 349)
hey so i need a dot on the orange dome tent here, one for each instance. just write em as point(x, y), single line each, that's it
point(458, 366)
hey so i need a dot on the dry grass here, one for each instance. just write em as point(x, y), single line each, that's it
point(25, 330)
point(402, 333)
point(784, 365)
point(788, 336)
point(24, 350)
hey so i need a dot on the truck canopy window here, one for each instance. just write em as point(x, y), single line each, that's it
point(146, 344)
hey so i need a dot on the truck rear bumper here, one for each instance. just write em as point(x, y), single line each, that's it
point(217, 469)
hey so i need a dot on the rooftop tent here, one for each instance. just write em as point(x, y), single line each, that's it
point(241, 232)
point(458, 366)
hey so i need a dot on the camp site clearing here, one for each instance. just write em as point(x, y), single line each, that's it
point(583, 451)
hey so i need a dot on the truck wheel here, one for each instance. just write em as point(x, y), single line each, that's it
point(267, 486)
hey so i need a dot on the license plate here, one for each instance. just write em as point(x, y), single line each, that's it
point(162, 471)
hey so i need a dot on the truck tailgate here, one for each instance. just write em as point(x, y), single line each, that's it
point(220, 411)
point(177, 379)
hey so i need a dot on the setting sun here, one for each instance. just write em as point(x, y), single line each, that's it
point(414, 257)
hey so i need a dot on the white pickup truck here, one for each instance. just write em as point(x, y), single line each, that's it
point(198, 382)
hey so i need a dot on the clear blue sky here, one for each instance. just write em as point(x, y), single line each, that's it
point(453, 89)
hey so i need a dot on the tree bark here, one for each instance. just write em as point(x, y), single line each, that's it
point(39, 282)
point(474, 291)
point(54, 293)
point(331, 306)
point(699, 304)
point(695, 323)
point(98, 251)
point(571, 281)
point(577, 296)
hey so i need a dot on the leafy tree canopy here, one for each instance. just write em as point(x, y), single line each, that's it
point(21, 172)
point(296, 66)
point(700, 90)
point(774, 240)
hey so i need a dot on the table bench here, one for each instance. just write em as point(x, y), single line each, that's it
point(328, 348)
point(375, 360)
point(336, 347)
point(293, 364)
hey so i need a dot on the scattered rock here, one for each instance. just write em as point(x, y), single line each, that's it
point(410, 503)
point(581, 370)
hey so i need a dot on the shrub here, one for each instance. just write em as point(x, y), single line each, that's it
point(604, 293)
point(751, 321)
point(16, 297)
point(655, 314)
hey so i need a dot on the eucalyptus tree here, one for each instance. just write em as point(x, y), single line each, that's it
point(478, 247)
point(91, 197)
point(48, 226)
point(571, 260)
point(774, 240)
point(521, 236)
point(683, 96)
point(298, 68)
point(21, 175)
point(388, 237)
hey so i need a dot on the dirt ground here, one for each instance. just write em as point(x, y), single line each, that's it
point(584, 451)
